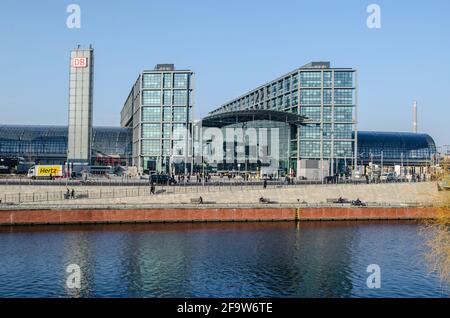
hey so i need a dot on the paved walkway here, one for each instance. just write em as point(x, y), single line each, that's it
point(392, 193)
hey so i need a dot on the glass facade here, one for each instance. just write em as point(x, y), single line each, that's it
point(48, 144)
point(162, 104)
point(326, 96)
point(255, 151)
point(391, 148)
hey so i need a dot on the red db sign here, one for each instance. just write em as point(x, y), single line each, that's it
point(79, 62)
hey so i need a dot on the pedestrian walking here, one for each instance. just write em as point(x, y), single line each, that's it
point(152, 188)
point(72, 194)
point(265, 184)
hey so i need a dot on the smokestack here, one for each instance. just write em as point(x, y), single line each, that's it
point(415, 117)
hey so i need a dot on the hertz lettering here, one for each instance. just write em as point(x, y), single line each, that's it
point(48, 171)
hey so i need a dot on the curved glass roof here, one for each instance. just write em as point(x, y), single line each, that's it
point(227, 118)
point(395, 146)
point(32, 140)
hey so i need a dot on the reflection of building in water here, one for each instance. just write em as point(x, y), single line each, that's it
point(324, 259)
point(242, 260)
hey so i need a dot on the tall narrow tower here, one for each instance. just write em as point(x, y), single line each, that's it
point(415, 117)
point(80, 106)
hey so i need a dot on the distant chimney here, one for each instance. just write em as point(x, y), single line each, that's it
point(415, 117)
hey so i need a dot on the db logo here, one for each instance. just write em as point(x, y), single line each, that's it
point(79, 62)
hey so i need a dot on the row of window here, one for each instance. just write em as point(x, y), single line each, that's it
point(307, 97)
point(159, 114)
point(341, 131)
point(153, 130)
point(165, 80)
point(311, 149)
point(394, 152)
point(314, 97)
point(341, 114)
point(342, 79)
point(168, 97)
point(163, 147)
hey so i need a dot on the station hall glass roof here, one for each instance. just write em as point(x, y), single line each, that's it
point(227, 118)
point(395, 147)
point(51, 141)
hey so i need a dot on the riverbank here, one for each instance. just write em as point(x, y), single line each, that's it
point(236, 203)
point(208, 213)
point(386, 193)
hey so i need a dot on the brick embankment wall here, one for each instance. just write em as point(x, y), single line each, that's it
point(18, 217)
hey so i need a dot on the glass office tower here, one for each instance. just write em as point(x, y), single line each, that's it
point(328, 98)
point(159, 110)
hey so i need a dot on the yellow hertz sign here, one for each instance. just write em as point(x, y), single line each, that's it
point(44, 171)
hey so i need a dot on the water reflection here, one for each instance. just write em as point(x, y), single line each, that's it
point(312, 259)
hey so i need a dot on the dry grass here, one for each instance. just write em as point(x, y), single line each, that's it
point(437, 234)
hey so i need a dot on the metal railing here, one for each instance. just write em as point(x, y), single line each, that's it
point(134, 182)
point(125, 192)
point(136, 189)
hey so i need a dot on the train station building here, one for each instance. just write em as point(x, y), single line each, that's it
point(303, 123)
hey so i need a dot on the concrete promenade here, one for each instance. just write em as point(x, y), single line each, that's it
point(296, 203)
point(387, 193)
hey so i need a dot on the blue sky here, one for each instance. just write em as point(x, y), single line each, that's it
point(233, 46)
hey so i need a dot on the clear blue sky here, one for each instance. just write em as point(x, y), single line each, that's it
point(232, 46)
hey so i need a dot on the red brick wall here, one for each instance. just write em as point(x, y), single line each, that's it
point(187, 215)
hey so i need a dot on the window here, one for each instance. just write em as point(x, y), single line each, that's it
point(343, 131)
point(279, 102)
point(179, 97)
point(151, 147)
point(327, 96)
point(151, 81)
point(327, 132)
point(179, 132)
point(167, 80)
point(167, 98)
point(310, 132)
point(151, 97)
point(167, 130)
point(274, 89)
point(180, 80)
point(310, 79)
point(327, 148)
point(310, 149)
point(151, 130)
point(179, 114)
point(287, 101)
point(287, 84)
point(295, 81)
point(294, 98)
point(312, 113)
point(327, 79)
point(343, 114)
point(343, 149)
point(167, 113)
point(280, 87)
point(327, 115)
point(310, 97)
point(343, 96)
point(166, 148)
point(151, 114)
point(343, 79)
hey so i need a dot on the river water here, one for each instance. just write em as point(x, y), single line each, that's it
point(312, 259)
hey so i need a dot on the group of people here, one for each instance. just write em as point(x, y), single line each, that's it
point(70, 194)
